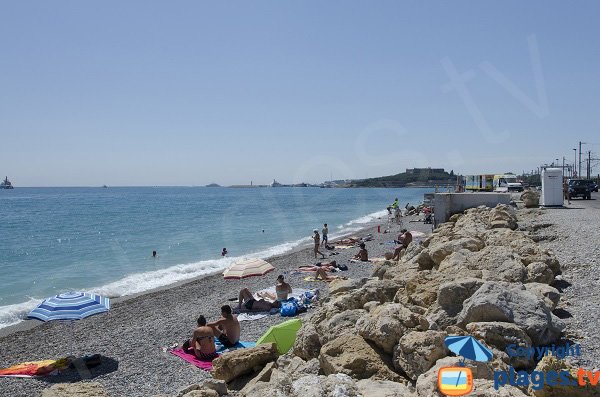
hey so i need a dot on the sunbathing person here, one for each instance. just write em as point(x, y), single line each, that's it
point(327, 266)
point(321, 274)
point(282, 289)
point(202, 342)
point(251, 304)
point(404, 239)
point(227, 328)
point(362, 255)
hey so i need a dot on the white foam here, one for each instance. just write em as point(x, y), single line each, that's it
point(14, 314)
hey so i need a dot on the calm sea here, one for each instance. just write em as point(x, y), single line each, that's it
point(60, 239)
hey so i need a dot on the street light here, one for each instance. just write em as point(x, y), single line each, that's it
point(574, 164)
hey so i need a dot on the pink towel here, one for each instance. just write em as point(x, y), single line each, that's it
point(191, 358)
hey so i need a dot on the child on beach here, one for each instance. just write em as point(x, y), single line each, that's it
point(317, 240)
point(325, 232)
point(227, 327)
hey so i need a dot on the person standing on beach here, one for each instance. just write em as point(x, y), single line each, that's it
point(567, 195)
point(325, 232)
point(202, 342)
point(317, 240)
point(227, 327)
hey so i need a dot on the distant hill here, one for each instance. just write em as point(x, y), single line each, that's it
point(412, 177)
point(213, 185)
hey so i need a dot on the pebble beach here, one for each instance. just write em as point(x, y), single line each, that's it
point(132, 336)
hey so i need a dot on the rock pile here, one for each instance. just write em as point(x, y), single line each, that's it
point(384, 335)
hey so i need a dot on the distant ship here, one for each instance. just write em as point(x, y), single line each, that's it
point(6, 184)
point(104, 187)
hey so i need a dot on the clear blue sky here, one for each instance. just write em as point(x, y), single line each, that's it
point(192, 92)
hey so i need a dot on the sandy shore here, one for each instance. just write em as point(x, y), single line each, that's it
point(133, 333)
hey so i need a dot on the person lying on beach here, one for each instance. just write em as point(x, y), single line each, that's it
point(321, 274)
point(327, 266)
point(347, 241)
point(251, 304)
point(362, 255)
point(227, 328)
point(202, 342)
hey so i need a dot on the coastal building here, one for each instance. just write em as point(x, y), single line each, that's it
point(276, 184)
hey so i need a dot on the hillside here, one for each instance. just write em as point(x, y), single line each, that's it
point(412, 177)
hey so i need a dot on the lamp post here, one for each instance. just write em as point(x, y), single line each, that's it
point(574, 164)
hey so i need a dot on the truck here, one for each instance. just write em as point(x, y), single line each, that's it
point(479, 183)
point(507, 183)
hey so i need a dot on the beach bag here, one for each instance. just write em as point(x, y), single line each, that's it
point(289, 308)
point(342, 267)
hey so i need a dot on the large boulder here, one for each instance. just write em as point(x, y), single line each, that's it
point(549, 294)
point(502, 216)
point(339, 324)
point(539, 272)
point(242, 361)
point(340, 285)
point(500, 335)
point(572, 389)
point(511, 303)
point(438, 250)
point(497, 264)
point(386, 324)
point(334, 385)
point(530, 198)
point(308, 343)
point(418, 351)
point(353, 356)
point(452, 294)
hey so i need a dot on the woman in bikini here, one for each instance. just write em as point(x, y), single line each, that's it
point(202, 343)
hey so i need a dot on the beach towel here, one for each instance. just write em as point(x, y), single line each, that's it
point(35, 368)
point(343, 247)
point(312, 279)
point(297, 292)
point(252, 316)
point(192, 359)
point(239, 345)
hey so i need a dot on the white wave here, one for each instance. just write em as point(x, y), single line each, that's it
point(367, 218)
point(14, 314)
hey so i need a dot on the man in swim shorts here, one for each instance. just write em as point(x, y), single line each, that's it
point(255, 305)
point(202, 342)
point(227, 328)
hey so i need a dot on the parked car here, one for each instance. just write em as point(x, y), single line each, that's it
point(580, 188)
point(594, 186)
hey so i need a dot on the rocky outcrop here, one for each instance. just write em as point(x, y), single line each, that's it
point(476, 275)
point(353, 356)
point(242, 361)
point(572, 389)
point(512, 303)
point(416, 352)
point(530, 198)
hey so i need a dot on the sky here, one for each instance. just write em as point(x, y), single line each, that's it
point(186, 93)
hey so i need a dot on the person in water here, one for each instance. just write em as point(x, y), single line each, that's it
point(154, 254)
point(224, 252)
point(202, 343)
point(227, 328)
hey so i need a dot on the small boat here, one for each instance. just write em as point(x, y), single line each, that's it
point(104, 187)
point(6, 184)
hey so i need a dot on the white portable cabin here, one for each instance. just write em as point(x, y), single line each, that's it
point(552, 187)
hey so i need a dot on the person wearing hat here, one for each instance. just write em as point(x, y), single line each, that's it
point(317, 240)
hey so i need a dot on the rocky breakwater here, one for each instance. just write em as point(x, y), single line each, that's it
point(383, 336)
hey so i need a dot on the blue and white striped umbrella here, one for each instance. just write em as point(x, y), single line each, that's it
point(468, 347)
point(70, 306)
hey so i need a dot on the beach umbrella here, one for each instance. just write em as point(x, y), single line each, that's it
point(70, 306)
point(283, 335)
point(468, 347)
point(248, 268)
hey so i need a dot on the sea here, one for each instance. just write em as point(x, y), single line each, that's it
point(55, 240)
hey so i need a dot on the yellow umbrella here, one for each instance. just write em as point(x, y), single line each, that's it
point(248, 268)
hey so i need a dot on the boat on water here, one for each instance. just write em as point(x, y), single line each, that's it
point(6, 184)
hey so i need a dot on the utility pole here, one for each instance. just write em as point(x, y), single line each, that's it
point(589, 167)
point(563, 168)
point(575, 164)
